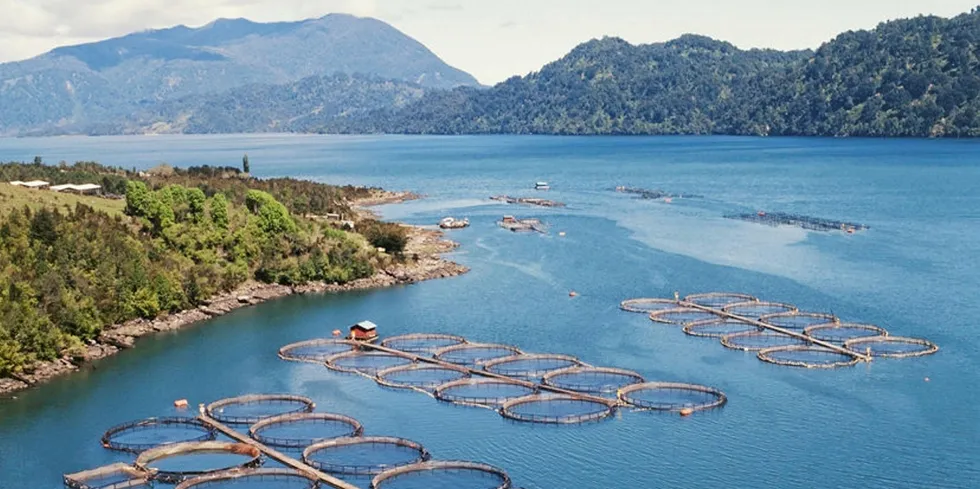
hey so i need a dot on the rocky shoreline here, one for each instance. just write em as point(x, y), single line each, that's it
point(427, 245)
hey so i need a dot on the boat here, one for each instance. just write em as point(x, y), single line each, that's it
point(453, 223)
point(542, 186)
point(513, 224)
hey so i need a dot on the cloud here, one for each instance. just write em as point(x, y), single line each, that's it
point(445, 6)
point(509, 24)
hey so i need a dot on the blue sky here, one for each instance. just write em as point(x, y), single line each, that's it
point(492, 39)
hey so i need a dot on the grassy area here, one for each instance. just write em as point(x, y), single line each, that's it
point(13, 197)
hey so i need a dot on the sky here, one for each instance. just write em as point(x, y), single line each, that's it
point(491, 39)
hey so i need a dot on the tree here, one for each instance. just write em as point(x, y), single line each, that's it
point(245, 166)
point(219, 211)
point(138, 198)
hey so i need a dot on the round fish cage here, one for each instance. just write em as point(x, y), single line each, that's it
point(422, 343)
point(839, 333)
point(646, 306)
point(172, 464)
point(681, 315)
point(253, 408)
point(443, 475)
point(799, 321)
point(253, 479)
point(142, 435)
point(556, 409)
point(759, 340)
point(592, 380)
point(304, 429)
point(892, 346)
point(364, 362)
point(670, 396)
point(757, 309)
point(420, 376)
point(718, 299)
point(718, 328)
point(366, 455)
point(481, 392)
point(806, 356)
point(115, 476)
point(531, 366)
point(474, 354)
point(315, 351)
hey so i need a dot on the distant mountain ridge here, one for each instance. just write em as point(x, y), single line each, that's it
point(74, 86)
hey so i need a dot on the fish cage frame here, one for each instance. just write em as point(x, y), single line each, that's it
point(549, 381)
point(727, 340)
point(146, 458)
point(379, 480)
point(370, 372)
point(353, 469)
point(879, 331)
point(438, 354)
point(831, 319)
point(506, 410)
point(695, 298)
point(765, 356)
point(307, 407)
point(690, 328)
point(209, 433)
point(423, 336)
point(655, 315)
point(628, 304)
point(484, 402)
point(233, 474)
point(78, 480)
point(929, 350)
point(759, 303)
point(285, 355)
point(254, 431)
point(624, 396)
point(531, 374)
point(381, 379)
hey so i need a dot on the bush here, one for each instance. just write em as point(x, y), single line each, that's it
point(392, 237)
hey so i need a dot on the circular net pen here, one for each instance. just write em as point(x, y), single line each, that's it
point(531, 366)
point(756, 309)
point(253, 408)
point(252, 479)
point(422, 343)
point(475, 354)
point(419, 376)
point(172, 464)
point(839, 333)
point(681, 315)
point(481, 392)
point(556, 409)
point(315, 351)
point(646, 306)
point(892, 347)
point(806, 356)
point(115, 476)
point(367, 455)
point(799, 321)
point(759, 340)
point(304, 429)
point(443, 475)
point(718, 299)
point(718, 328)
point(670, 396)
point(142, 435)
point(592, 380)
point(366, 363)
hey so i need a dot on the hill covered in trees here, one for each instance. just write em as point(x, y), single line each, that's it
point(912, 77)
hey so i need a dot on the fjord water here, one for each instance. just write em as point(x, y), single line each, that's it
point(914, 272)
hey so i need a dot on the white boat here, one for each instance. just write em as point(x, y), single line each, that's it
point(542, 186)
point(452, 223)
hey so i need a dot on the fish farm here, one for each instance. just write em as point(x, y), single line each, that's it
point(655, 194)
point(777, 332)
point(798, 220)
point(527, 201)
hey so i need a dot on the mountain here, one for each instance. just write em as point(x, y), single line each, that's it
point(70, 87)
point(913, 77)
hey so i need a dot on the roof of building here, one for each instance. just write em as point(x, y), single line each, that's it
point(81, 188)
point(32, 183)
point(366, 326)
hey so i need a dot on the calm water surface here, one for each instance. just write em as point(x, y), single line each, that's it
point(915, 273)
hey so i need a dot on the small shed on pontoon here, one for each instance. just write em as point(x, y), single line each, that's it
point(364, 331)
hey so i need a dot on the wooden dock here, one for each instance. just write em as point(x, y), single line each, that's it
point(280, 457)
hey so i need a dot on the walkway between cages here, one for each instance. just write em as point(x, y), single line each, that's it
point(276, 455)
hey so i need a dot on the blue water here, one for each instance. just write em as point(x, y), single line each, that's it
point(915, 272)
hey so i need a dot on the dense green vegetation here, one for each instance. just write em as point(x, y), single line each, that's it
point(184, 236)
point(914, 77)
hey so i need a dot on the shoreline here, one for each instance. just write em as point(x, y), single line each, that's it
point(429, 245)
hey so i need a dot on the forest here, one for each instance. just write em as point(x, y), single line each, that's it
point(173, 239)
